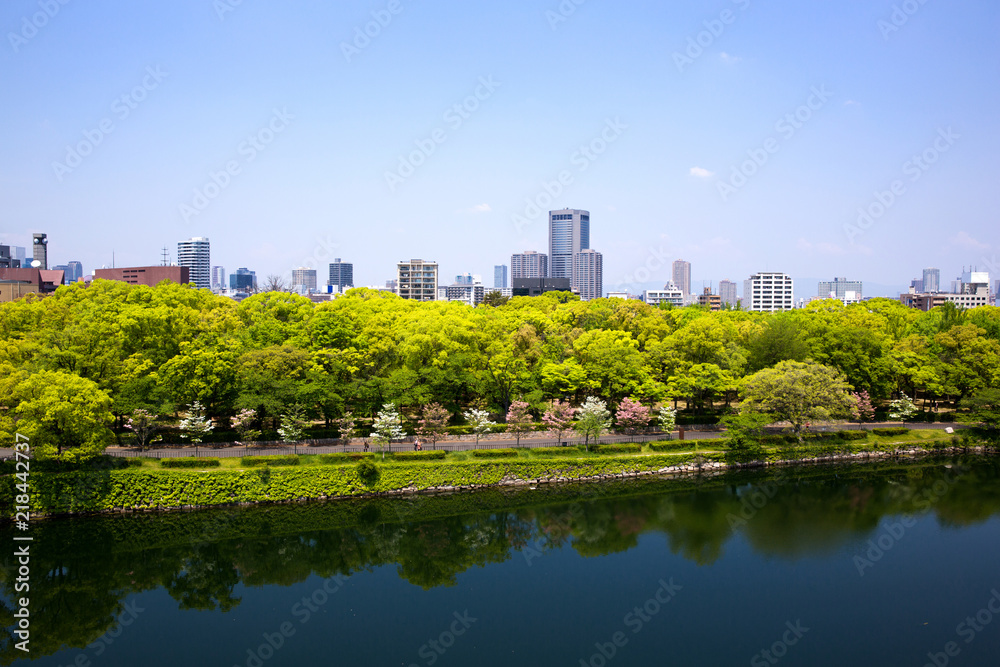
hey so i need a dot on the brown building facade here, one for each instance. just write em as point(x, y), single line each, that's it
point(145, 275)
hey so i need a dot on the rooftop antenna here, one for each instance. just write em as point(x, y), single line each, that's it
point(166, 257)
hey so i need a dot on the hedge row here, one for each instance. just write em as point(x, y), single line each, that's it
point(344, 457)
point(270, 461)
point(556, 451)
point(620, 448)
point(189, 462)
point(893, 430)
point(494, 453)
point(433, 455)
point(102, 462)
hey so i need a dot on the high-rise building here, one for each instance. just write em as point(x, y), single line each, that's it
point(588, 274)
point(40, 250)
point(768, 291)
point(916, 286)
point(20, 253)
point(195, 254)
point(7, 261)
point(569, 233)
point(932, 281)
point(75, 271)
point(500, 276)
point(417, 280)
point(464, 279)
point(727, 292)
point(244, 280)
point(681, 276)
point(304, 278)
point(218, 278)
point(539, 285)
point(529, 264)
point(341, 274)
point(848, 291)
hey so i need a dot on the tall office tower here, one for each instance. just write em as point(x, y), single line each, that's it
point(500, 276)
point(588, 274)
point(529, 264)
point(20, 253)
point(341, 274)
point(194, 254)
point(681, 276)
point(932, 281)
point(305, 278)
point(917, 286)
point(40, 250)
point(569, 233)
point(75, 271)
point(727, 292)
point(218, 278)
point(768, 292)
point(417, 280)
point(464, 279)
point(244, 280)
point(840, 288)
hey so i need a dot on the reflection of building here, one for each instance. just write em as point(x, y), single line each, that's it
point(670, 294)
point(195, 254)
point(417, 280)
point(244, 280)
point(588, 274)
point(569, 233)
point(539, 286)
point(768, 292)
point(682, 275)
point(341, 274)
point(713, 301)
point(304, 278)
point(727, 292)
point(145, 275)
point(529, 264)
point(500, 276)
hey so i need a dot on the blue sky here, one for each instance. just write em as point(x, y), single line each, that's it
point(697, 159)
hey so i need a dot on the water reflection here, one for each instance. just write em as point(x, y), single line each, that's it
point(84, 568)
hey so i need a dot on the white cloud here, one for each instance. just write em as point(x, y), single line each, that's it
point(701, 173)
point(728, 59)
point(965, 241)
point(852, 103)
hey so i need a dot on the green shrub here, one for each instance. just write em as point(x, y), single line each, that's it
point(892, 430)
point(684, 445)
point(494, 453)
point(852, 435)
point(189, 462)
point(345, 457)
point(619, 448)
point(433, 455)
point(556, 451)
point(270, 461)
point(368, 472)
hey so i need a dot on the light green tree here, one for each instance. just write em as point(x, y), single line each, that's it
point(293, 424)
point(593, 419)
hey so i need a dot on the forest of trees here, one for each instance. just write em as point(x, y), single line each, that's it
point(90, 356)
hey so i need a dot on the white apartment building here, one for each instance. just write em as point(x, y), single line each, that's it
point(417, 279)
point(768, 292)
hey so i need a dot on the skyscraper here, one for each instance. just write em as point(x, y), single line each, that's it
point(40, 250)
point(727, 292)
point(588, 274)
point(529, 264)
point(218, 278)
point(341, 274)
point(304, 278)
point(75, 271)
point(681, 276)
point(243, 280)
point(195, 254)
point(500, 276)
point(932, 281)
point(569, 233)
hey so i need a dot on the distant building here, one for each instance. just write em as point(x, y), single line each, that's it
point(588, 274)
point(244, 280)
point(916, 286)
point(529, 264)
point(20, 253)
point(418, 280)
point(847, 291)
point(681, 275)
point(500, 276)
point(75, 271)
point(40, 250)
point(392, 286)
point(195, 254)
point(472, 295)
point(304, 278)
point(145, 275)
point(539, 286)
point(464, 279)
point(7, 261)
point(931, 283)
point(569, 233)
point(970, 291)
point(670, 294)
point(341, 274)
point(768, 292)
point(727, 293)
point(218, 278)
point(713, 301)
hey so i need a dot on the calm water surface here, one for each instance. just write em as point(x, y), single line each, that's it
point(881, 565)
